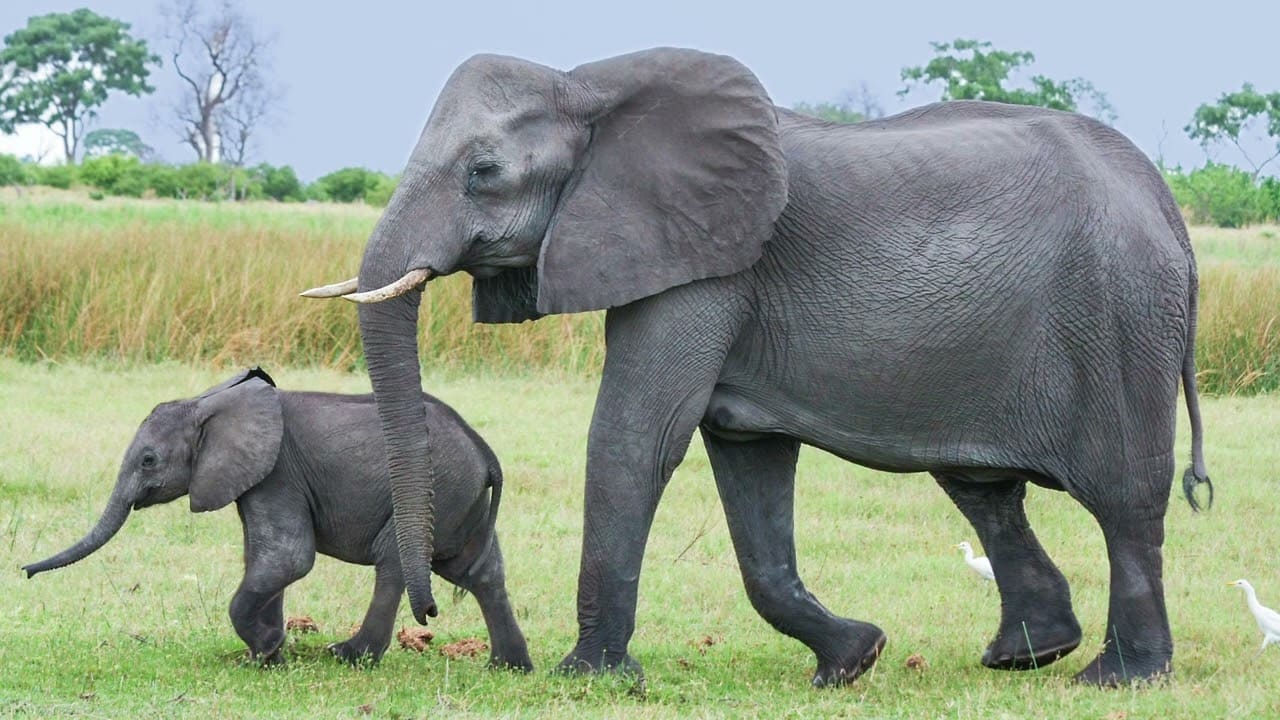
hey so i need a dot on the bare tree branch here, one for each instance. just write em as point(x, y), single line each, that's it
point(225, 63)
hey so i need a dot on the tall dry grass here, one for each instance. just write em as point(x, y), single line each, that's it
point(153, 281)
point(148, 281)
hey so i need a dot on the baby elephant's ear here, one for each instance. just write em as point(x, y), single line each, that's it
point(240, 429)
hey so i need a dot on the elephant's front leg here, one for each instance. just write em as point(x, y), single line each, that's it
point(756, 480)
point(258, 618)
point(664, 355)
point(374, 636)
point(279, 549)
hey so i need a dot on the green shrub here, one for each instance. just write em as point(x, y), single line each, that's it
point(14, 172)
point(57, 176)
point(1221, 195)
point(202, 181)
point(162, 180)
point(380, 194)
point(115, 175)
point(279, 183)
point(347, 185)
point(1270, 190)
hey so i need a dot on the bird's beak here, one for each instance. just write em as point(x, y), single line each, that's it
point(956, 545)
point(1231, 584)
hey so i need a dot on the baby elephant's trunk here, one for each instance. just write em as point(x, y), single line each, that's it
point(109, 524)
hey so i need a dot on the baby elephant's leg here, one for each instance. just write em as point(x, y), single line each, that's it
point(374, 635)
point(274, 557)
point(481, 574)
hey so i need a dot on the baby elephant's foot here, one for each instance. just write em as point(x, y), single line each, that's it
point(268, 651)
point(517, 662)
point(267, 660)
point(850, 652)
point(358, 651)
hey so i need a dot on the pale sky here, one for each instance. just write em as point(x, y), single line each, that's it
point(360, 77)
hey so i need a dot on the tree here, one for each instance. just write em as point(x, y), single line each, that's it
point(107, 141)
point(1223, 121)
point(832, 112)
point(855, 106)
point(60, 68)
point(223, 62)
point(973, 70)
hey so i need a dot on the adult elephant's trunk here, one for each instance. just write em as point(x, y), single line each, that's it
point(112, 519)
point(389, 331)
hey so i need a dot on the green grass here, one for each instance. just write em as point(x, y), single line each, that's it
point(138, 282)
point(140, 628)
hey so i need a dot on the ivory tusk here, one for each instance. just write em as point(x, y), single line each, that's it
point(411, 279)
point(332, 291)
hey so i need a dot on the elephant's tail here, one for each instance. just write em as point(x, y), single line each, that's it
point(1196, 474)
point(495, 494)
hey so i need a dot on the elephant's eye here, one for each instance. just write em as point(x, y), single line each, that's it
point(481, 173)
point(149, 459)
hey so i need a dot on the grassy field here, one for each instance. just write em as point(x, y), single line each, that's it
point(140, 628)
point(145, 281)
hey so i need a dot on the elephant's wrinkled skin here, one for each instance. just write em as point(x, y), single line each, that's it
point(990, 293)
point(307, 473)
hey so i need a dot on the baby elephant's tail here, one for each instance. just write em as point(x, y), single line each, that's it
point(1196, 474)
point(495, 494)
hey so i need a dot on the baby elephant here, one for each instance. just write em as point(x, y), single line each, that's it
point(307, 472)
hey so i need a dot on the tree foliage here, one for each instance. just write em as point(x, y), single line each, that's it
point(60, 68)
point(1232, 114)
point(350, 184)
point(974, 70)
point(832, 112)
point(111, 141)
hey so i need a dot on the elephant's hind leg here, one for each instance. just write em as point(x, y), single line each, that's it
point(1037, 625)
point(1139, 644)
point(756, 481)
point(480, 571)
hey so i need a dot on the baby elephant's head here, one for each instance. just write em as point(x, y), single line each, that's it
point(213, 447)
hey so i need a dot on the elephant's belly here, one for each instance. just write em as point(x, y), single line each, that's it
point(741, 416)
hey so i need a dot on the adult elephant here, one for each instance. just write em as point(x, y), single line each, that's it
point(990, 293)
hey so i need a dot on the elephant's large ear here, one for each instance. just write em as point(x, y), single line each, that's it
point(682, 179)
point(240, 429)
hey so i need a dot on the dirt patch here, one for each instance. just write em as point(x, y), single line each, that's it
point(917, 662)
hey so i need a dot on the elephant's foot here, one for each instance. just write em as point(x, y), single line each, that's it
point(518, 662)
point(268, 650)
point(1034, 643)
point(1117, 668)
point(357, 651)
point(584, 660)
point(856, 648)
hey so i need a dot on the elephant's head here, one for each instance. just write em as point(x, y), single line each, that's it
point(213, 448)
point(558, 192)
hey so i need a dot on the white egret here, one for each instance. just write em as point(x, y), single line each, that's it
point(979, 565)
point(1268, 619)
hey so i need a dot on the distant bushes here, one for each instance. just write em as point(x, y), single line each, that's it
point(126, 176)
point(352, 185)
point(1225, 196)
point(1221, 195)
